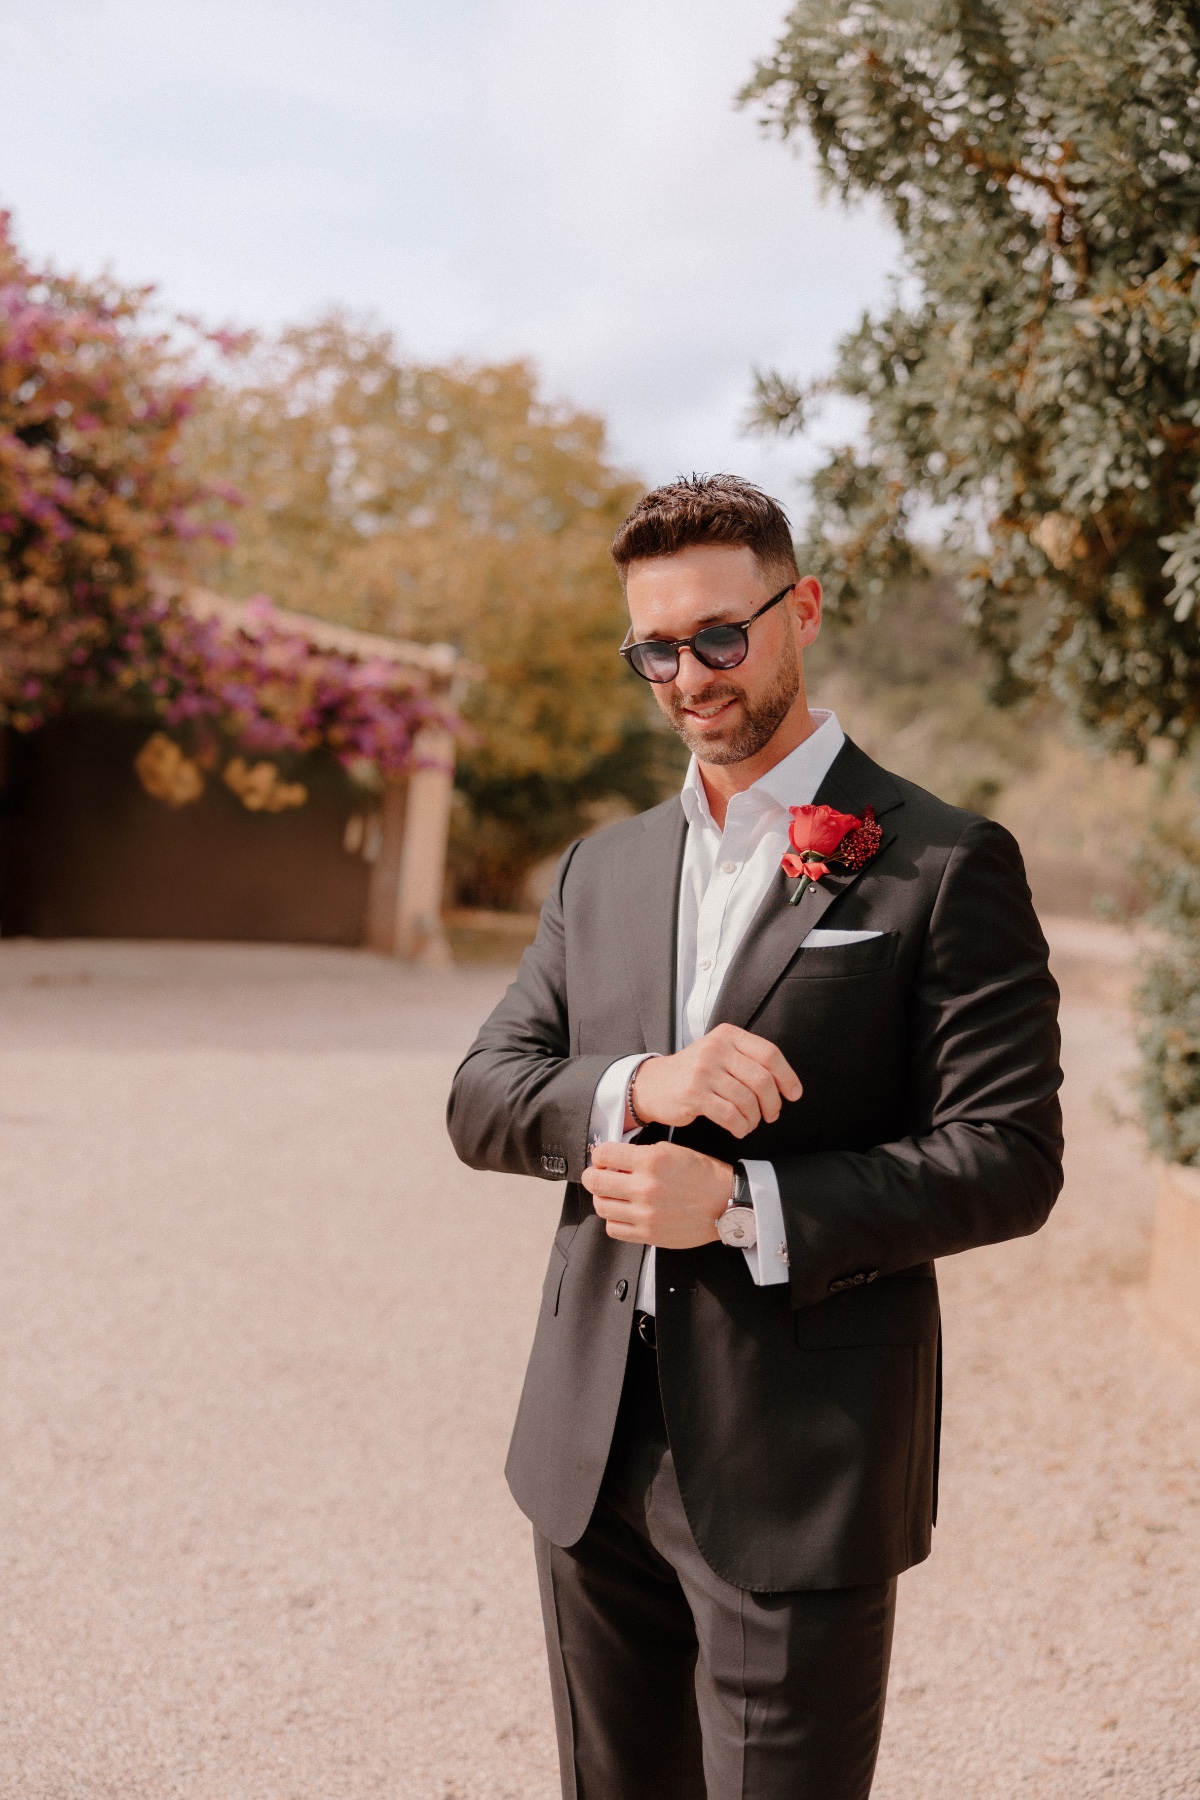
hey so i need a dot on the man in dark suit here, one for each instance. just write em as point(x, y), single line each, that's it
point(789, 1038)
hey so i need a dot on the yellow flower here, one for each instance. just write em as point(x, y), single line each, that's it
point(166, 773)
point(259, 788)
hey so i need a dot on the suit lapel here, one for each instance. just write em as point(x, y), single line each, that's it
point(778, 929)
point(648, 904)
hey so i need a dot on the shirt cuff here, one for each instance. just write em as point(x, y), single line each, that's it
point(767, 1260)
point(607, 1123)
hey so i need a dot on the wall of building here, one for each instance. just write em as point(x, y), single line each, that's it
point(86, 852)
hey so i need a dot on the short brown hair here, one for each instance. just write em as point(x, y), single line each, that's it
point(706, 509)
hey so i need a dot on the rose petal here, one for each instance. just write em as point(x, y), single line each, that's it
point(819, 828)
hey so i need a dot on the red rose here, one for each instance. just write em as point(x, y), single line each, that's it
point(819, 828)
point(817, 832)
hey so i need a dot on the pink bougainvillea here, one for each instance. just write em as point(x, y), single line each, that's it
point(95, 503)
point(267, 688)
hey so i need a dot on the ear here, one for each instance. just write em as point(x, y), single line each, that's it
point(805, 608)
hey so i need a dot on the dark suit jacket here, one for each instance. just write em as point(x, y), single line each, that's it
point(802, 1418)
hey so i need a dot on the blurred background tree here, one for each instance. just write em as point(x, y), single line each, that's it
point(447, 504)
point(103, 517)
point(1035, 386)
point(93, 498)
point(1036, 382)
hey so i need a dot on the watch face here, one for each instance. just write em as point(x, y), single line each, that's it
point(737, 1228)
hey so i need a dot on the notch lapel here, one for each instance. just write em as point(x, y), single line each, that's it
point(648, 907)
point(778, 929)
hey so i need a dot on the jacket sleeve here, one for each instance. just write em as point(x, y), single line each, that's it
point(520, 1102)
point(984, 1158)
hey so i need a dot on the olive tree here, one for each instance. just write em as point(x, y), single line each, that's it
point(1035, 381)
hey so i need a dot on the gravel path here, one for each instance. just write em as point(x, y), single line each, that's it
point(262, 1339)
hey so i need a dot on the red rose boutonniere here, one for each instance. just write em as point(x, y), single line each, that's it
point(819, 836)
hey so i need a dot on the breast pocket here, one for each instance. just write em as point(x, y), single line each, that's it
point(825, 962)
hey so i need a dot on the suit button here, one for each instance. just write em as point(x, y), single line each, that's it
point(835, 1287)
point(621, 1289)
point(872, 1274)
point(859, 1279)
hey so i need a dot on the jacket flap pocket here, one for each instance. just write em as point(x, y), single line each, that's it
point(897, 1311)
point(820, 961)
point(552, 1285)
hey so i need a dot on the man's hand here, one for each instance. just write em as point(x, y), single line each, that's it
point(659, 1194)
point(729, 1076)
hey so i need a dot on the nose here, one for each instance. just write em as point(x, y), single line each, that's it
point(692, 670)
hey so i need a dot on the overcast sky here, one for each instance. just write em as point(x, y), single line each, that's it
point(493, 178)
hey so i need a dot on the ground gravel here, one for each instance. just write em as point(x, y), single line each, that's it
point(261, 1342)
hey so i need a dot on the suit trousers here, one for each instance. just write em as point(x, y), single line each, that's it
point(671, 1684)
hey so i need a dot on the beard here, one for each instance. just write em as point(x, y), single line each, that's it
point(757, 724)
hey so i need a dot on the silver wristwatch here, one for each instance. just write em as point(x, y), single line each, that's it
point(737, 1225)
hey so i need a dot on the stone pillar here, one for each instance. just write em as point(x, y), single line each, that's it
point(419, 936)
point(1175, 1256)
point(384, 856)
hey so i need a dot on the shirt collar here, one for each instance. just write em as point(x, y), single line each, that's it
point(792, 782)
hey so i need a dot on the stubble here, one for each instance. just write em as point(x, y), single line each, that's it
point(757, 722)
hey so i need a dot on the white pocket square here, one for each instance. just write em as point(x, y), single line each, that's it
point(825, 940)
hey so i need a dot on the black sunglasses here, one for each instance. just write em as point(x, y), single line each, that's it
point(717, 646)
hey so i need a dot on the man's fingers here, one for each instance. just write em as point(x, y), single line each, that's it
point(729, 1117)
point(771, 1058)
point(740, 1095)
point(609, 1208)
point(616, 1156)
point(753, 1076)
point(611, 1184)
point(622, 1220)
point(628, 1234)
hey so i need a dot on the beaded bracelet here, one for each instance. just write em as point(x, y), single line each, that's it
point(629, 1106)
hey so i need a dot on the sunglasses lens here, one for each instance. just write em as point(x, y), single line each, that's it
point(721, 646)
point(656, 662)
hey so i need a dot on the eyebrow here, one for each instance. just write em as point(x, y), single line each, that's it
point(700, 623)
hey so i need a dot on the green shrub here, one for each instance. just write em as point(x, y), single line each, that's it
point(1168, 999)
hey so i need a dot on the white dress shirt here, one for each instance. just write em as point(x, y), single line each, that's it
point(724, 880)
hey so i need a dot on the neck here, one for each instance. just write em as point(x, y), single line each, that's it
point(723, 780)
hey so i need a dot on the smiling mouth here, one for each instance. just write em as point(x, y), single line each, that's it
point(708, 714)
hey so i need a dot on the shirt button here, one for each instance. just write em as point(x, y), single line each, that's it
point(706, 962)
point(728, 868)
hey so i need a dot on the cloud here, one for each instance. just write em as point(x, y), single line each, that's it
point(495, 178)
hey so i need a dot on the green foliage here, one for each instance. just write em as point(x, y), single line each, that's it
point(1037, 379)
point(1169, 996)
point(502, 826)
point(906, 681)
point(447, 504)
point(1036, 382)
